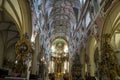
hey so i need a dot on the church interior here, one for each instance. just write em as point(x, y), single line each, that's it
point(59, 39)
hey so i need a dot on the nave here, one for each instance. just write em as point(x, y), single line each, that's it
point(59, 39)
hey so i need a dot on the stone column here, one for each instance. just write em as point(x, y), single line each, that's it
point(82, 59)
point(35, 64)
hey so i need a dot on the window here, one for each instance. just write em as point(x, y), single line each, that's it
point(82, 2)
point(88, 19)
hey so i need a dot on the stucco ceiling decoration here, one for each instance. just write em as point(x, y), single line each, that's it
point(61, 15)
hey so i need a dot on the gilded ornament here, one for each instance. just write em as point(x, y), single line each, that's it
point(23, 47)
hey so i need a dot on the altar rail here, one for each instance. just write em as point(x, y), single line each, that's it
point(14, 78)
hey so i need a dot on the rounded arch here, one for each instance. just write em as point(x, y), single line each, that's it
point(60, 37)
point(111, 21)
point(110, 25)
point(59, 43)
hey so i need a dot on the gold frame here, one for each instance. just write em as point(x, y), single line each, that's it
point(19, 44)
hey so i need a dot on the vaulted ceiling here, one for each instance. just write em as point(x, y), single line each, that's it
point(62, 15)
point(62, 18)
point(20, 13)
point(57, 19)
point(9, 33)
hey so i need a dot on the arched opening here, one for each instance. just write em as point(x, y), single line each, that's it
point(59, 58)
point(110, 44)
point(115, 44)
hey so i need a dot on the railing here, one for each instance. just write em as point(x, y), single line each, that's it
point(14, 78)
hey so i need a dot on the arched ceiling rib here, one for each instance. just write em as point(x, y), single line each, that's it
point(19, 11)
point(61, 15)
point(9, 32)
